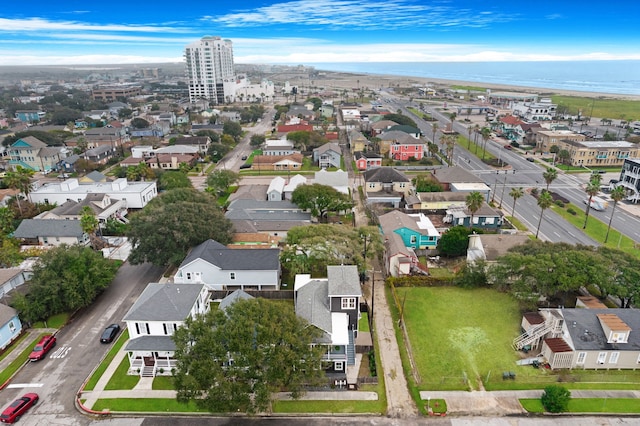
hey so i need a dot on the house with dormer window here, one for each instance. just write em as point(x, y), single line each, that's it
point(587, 338)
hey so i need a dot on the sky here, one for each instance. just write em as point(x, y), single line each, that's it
point(72, 32)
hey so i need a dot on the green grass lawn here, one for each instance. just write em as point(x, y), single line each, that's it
point(602, 108)
point(333, 407)
point(20, 359)
point(120, 378)
point(163, 383)
point(456, 332)
point(91, 383)
point(597, 229)
point(55, 321)
point(363, 323)
point(150, 405)
point(590, 405)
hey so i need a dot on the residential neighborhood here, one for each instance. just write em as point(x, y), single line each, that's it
point(381, 219)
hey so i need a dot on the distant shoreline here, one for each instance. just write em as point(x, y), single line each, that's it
point(348, 80)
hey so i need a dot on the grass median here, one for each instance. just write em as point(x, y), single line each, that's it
point(20, 360)
point(589, 405)
point(91, 383)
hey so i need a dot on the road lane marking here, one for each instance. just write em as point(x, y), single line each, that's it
point(60, 353)
point(25, 385)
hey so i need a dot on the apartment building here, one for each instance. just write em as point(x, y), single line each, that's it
point(210, 70)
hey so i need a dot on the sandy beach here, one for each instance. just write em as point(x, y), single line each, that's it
point(343, 80)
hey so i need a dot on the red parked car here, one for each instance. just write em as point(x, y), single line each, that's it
point(44, 345)
point(12, 413)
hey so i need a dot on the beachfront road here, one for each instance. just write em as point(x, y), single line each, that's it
point(527, 175)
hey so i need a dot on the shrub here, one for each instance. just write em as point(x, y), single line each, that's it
point(534, 192)
point(570, 210)
point(372, 364)
point(560, 204)
point(555, 398)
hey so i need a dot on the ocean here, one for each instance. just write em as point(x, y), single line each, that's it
point(615, 77)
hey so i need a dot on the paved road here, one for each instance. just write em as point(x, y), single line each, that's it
point(58, 377)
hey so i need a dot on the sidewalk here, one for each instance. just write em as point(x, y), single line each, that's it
point(27, 341)
point(506, 403)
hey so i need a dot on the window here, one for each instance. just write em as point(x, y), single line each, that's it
point(188, 276)
point(413, 239)
point(348, 303)
point(581, 358)
point(338, 366)
point(232, 275)
point(602, 357)
point(12, 327)
point(613, 359)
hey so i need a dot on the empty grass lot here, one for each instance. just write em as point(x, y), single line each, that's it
point(590, 405)
point(456, 332)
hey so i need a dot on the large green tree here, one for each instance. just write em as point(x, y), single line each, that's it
point(65, 279)
point(309, 249)
point(232, 129)
point(174, 222)
point(455, 241)
point(235, 360)
point(173, 179)
point(219, 181)
point(320, 199)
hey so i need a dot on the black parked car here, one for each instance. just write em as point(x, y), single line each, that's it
point(110, 333)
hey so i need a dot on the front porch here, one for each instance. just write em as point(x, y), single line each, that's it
point(151, 356)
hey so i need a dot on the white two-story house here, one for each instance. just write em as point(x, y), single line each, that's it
point(152, 320)
point(219, 267)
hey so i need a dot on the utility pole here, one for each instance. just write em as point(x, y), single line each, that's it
point(504, 185)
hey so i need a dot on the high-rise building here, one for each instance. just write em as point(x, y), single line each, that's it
point(210, 70)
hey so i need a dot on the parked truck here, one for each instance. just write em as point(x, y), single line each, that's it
point(597, 203)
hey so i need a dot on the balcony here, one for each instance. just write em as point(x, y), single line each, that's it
point(601, 157)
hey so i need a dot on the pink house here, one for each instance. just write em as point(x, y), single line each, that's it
point(407, 148)
point(367, 160)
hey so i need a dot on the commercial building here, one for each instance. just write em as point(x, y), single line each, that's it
point(210, 70)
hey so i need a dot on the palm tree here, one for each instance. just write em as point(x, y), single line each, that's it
point(449, 141)
point(616, 195)
point(592, 189)
point(549, 176)
point(486, 134)
point(19, 179)
point(515, 193)
point(474, 201)
point(476, 130)
point(469, 130)
point(434, 128)
point(544, 202)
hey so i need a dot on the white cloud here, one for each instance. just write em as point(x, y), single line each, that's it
point(381, 15)
point(24, 26)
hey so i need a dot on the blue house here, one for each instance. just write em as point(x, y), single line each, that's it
point(416, 230)
point(10, 325)
point(486, 217)
point(29, 116)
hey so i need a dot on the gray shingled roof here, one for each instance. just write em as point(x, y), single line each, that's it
point(384, 175)
point(395, 219)
point(6, 313)
point(312, 304)
point(233, 298)
point(586, 331)
point(244, 204)
point(151, 344)
point(164, 302)
point(234, 259)
point(344, 280)
point(34, 228)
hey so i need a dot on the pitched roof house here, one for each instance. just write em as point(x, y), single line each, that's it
point(33, 154)
point(367, 160)
point(10, 325)
point(221, 268)
point(599, 339)
point(51, 232)
point(416, 230)
point(332, 305)
point(386, 185)
point(328, 155)
point(152, 320)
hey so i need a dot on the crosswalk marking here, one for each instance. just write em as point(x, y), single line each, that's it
point(60, 353)
point(25, 385)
